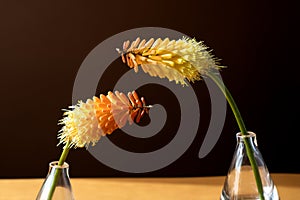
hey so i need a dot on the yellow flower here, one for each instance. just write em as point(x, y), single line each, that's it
point(88, 121)
point(176, 60)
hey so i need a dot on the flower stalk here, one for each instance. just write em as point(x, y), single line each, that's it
point(243, 130)
point(184, 59)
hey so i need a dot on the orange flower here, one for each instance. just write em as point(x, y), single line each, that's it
point(88, 121)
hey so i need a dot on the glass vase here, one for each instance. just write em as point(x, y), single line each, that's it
point(57, 185)
point(240, 181)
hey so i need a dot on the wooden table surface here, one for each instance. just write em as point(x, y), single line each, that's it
point(199, 188)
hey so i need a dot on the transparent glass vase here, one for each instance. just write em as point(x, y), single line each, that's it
point(57, 185)
point(240, 182)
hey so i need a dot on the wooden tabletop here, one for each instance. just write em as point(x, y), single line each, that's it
point(205, 188)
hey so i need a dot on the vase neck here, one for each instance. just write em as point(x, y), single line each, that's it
point(53, 166)
point(251, 137)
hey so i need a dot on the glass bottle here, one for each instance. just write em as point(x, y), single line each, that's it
point(62, 188)
point(240, 182)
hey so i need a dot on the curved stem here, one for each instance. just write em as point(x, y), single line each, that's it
point(57, 174)
point(243, 130)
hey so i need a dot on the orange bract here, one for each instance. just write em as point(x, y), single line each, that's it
point(87, 122)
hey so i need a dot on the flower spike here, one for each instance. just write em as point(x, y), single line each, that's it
point(86, 122)
point(176, 60)
point(180, 60)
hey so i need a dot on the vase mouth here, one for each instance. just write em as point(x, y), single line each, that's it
point(54, 164)
point(249, 135)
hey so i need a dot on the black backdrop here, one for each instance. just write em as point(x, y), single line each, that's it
point(43, 44)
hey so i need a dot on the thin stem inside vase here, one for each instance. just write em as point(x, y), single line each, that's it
point(57, 174)
point(243, 130)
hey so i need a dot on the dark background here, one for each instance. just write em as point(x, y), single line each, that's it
point(43, 43)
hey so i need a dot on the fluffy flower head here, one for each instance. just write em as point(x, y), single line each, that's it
point(87, 121)
point(176, 60)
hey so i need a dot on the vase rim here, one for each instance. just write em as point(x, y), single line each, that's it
point(250, 135)
point(54, 164)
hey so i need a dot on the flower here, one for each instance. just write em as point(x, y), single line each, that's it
point(176, 60)
point(179, 60)
point(86, 122)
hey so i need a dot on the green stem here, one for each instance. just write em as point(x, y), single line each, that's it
point(243, 130)
point(64, 154)
point(57, 172)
